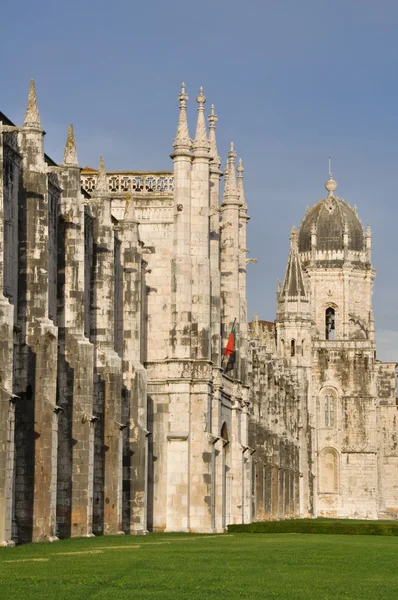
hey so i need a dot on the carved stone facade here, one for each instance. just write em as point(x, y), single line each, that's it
point(318, 384)
point(117, 295)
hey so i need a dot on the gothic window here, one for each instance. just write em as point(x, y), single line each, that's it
point(293, 348)
point(88, 271)
point(329, 410)
point(330, 324)
point(328, 471)
point(118, 297)
point(52, 251)
point(8, 226)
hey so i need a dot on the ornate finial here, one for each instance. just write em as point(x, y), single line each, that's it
point(212, 118)
point(182, 138)
point(200, 142)
point(32, 117)
point(331, 185)
point(240, 168)
point(102, 182)
point(70, 153)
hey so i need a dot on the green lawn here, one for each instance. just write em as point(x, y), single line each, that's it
point(172, 566)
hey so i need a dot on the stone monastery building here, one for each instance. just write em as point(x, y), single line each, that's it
point(119, 412)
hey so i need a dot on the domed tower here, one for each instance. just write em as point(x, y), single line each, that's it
point(335, 254)
point(331, 278)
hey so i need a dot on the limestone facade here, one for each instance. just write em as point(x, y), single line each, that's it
point(119, 412)
point(318, 384)
point(117, 295)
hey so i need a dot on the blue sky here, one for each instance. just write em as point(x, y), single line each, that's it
point(293, 81)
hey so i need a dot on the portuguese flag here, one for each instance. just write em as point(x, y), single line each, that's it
point(230, 347)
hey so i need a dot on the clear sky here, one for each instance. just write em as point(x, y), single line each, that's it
point(293, 81)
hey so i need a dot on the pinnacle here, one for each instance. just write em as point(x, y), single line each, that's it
point(32, 117)
point(241, 190)
point(200, 142)
point(70, 153)
point(230, 188)
point(212, 118)
point(182, 139)
point(102, 180)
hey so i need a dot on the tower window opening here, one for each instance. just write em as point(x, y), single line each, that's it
point(329, 410)
point(293, 348)
point(302, 347)
point(330, 324)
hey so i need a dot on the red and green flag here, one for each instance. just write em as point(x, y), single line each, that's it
point(230, 347)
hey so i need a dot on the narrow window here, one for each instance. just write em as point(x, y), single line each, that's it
point(329, 410)
point(302, 347)
point(283, 347)
point(293, 348)
point(330, 324)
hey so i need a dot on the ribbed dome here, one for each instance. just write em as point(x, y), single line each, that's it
point(329, 219)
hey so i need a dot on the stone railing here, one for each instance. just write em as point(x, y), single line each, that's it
point(131, 182)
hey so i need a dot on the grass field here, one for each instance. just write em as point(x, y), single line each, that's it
point(172, 566)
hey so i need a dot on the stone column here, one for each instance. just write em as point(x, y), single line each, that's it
point(243, 326)
point(230, 262)
point(36, 475)
point(108, 369)
point(134, 378)
point(76, 363)
point(215, 275)
point(201, 449)
point(6, 379)
point(175, 516)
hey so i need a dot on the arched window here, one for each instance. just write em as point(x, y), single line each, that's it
point(330, 324)
point(302, 347)
point(224, 432)
point(293, 348)
point(329, 410)
point(328, 471)
point(283, 347)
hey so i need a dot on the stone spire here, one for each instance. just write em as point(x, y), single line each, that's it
point(241, 190)
point(200, 141)
point(32, 117)
point(231, 193)
point(70, 153)
point(102, 181)
point(212, 118)
point(182, 140)
point(293, 285)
